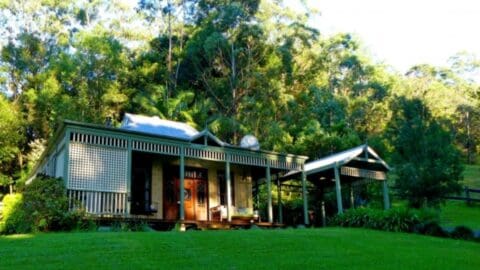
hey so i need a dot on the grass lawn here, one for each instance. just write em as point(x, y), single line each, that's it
point(471, 176)
point(330, 248)
point(456, 213)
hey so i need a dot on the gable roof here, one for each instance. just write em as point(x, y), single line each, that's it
point(156, 126)
point(208, 136)
point(340, 159)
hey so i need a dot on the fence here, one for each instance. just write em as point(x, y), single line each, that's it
point(468, 195)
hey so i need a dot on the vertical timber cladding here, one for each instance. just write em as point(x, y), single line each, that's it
point(97, 163)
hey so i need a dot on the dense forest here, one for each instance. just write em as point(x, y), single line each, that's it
point(236, 67)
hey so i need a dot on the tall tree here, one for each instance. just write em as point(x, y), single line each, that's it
point(11, 137)
point(427, 164)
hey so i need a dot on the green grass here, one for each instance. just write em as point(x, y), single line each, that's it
point(456, 213)
point(330, 248)
point(471, 176)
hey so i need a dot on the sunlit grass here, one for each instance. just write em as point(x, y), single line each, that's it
point(19, 236)
point(331, 248)
point(471, 176)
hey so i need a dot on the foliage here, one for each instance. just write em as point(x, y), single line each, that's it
point(395, 219)
point(432, 228)
point(13, 215)
point(130, 226)
point(240, 249)
point(42, 207)
point(462, 232)
point(427, 164)
point(11, 139)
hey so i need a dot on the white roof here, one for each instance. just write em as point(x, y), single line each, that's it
point(156, 126)
point(338, 159)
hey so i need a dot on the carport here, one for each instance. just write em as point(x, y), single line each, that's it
point(356, 165)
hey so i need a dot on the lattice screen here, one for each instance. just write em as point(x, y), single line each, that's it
point(97, 168)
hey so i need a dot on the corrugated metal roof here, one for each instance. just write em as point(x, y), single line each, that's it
point(156, 126)
point(338, 159)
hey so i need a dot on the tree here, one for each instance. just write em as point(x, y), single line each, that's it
point(11, 136)
point(427, 163)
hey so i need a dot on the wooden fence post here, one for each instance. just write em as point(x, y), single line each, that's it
point(467, 194)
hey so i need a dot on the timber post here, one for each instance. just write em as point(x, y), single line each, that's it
point(182, 184)
point(386, 198)
point(352, 197)
point(269, 194)
point(305, 197)
point(324, 215)
point(279, 194)
point(129, 177)
point(338, 190)
point(229, 189)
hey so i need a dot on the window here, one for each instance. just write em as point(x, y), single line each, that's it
point(222, 183)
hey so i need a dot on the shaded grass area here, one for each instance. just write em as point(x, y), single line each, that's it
point(335, 248)
point(456, 213)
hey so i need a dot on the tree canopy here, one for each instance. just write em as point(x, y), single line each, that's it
point(237, 67)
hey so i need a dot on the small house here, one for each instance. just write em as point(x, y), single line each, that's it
point(158, 169)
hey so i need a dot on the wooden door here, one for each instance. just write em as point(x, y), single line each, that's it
point(195, 197)
point(190, 199)
point(171, 200)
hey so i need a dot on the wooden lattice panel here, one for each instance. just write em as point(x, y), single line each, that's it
point(97, 168)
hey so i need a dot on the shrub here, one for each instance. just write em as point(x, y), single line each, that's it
point(13, 220)
point(395, 219)
point(433, 229)
point(43, 206)
point(462, 232)
point(130, 226)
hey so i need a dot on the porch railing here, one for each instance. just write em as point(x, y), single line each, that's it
point(98, 202)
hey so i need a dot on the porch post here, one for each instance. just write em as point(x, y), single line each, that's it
point(229, 190)
point(386, 198)
point(305, 197)
point(182, 184)
point(324, 216)
point(128, 200)
point(352, 197)
point(269, 194)
point(338, 189)
point(67, 157)
point(279, 192)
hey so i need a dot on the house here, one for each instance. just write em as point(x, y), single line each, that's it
point(159, 169)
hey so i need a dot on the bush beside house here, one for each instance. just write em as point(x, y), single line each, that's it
point(42, 207)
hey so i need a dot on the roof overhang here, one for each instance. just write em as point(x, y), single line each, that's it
point(363, 157)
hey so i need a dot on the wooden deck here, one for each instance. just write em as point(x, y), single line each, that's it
point(164, 225)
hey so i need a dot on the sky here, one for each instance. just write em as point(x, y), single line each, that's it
point(403, 33)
